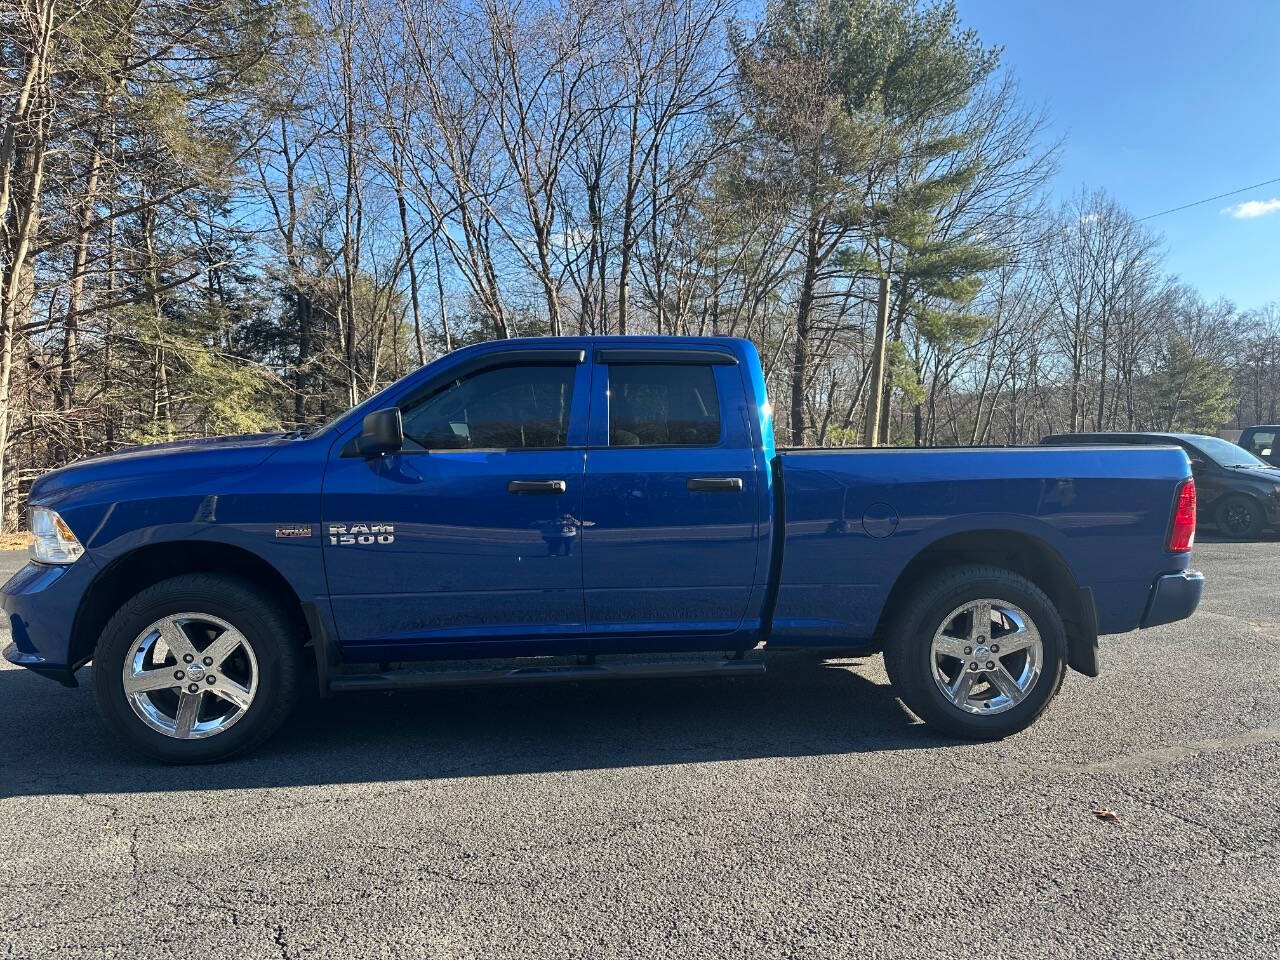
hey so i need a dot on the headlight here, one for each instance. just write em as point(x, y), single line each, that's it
point(54, 542)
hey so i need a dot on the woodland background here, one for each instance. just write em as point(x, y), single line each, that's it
point(222, 216)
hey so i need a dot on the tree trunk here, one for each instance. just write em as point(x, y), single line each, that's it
point(444, 312)
point(800, 361)
point(628, 226)
point(1102, 372)
point(409, 259)
point(161, 409)
point(549, 288)
point(305, 316)
point(875, 397)
point(109, 414)
point(70, 345)
point(17, 287)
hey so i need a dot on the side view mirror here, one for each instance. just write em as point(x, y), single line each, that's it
point(381, 432)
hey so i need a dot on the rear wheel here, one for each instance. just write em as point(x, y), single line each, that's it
point(197, 668)
point(1240, 519)
point(978, 653)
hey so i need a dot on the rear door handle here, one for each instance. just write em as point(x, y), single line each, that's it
point(722, 484)
point(535, 486)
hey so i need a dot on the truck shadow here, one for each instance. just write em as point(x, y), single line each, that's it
point(54, 742)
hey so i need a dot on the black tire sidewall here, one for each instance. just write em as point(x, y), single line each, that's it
point(240, 604)
point(910, 657)
point(1255, 521)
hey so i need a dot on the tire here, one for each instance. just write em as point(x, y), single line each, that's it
point(1239, 518)
point(948, 608)
point(251, 649)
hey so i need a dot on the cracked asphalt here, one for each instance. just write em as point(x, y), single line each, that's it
point(802, 814)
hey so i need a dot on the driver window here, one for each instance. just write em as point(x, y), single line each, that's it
point(1261, 443)
point(515, 407)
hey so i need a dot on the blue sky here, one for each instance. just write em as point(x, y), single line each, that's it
point(1162, 103)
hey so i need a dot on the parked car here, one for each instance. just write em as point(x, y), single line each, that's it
point(1260, 440)
point(1237, 492)
point(583, 509)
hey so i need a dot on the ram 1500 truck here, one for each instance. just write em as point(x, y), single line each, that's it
point(590, 508)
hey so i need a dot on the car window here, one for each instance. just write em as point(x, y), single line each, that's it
point(1225, 453)
point(511, 407)
point(652, 404)
point(1262, 442)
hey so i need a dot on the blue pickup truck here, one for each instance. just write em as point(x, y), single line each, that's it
point(577, 509)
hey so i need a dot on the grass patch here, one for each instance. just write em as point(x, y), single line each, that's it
point(14, 541)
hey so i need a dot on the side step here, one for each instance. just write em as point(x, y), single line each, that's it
point(551, 670)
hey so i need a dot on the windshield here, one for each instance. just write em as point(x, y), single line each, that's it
point(1225, 453)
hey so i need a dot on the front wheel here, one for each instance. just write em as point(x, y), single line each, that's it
point(979, 652)
point(197, 668)
point(1240, 519)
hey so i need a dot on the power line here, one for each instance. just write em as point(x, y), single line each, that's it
point(1229, 193)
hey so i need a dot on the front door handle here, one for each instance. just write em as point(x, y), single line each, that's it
point(536, 486)
point(723, 484)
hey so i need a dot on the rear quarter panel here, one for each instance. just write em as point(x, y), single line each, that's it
point(1106, 512)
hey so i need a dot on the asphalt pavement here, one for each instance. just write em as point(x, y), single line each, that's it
point(801, 814)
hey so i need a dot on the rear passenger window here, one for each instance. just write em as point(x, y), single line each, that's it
point(656, 404)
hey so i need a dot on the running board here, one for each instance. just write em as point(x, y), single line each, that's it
point(612, 668)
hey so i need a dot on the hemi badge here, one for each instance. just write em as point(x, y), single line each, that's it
point(302, 531)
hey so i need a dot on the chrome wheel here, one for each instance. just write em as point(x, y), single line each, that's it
point(986, 656)
point(190, 676)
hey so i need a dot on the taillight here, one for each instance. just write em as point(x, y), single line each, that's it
point(1183, 532)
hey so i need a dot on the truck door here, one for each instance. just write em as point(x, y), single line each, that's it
point(467, 543)
point(671, 507)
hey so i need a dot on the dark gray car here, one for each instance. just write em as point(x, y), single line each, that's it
point(1236, 491)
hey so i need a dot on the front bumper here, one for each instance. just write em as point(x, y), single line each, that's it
point(40, 603)
point(1174, 596)
point(37, 664)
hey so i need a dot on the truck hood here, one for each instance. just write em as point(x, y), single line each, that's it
point(210, 454)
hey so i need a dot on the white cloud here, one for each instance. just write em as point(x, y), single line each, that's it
point(1253, 208)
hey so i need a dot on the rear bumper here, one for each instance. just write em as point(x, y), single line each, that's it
point(1174, 596)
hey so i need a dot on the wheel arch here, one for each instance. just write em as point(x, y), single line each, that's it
point(1021, 552)
point(151, 563)
point(1251, 496)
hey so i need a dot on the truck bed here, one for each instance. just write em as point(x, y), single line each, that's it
point(855, 518)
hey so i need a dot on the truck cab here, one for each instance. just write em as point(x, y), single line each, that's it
point(553, 500)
